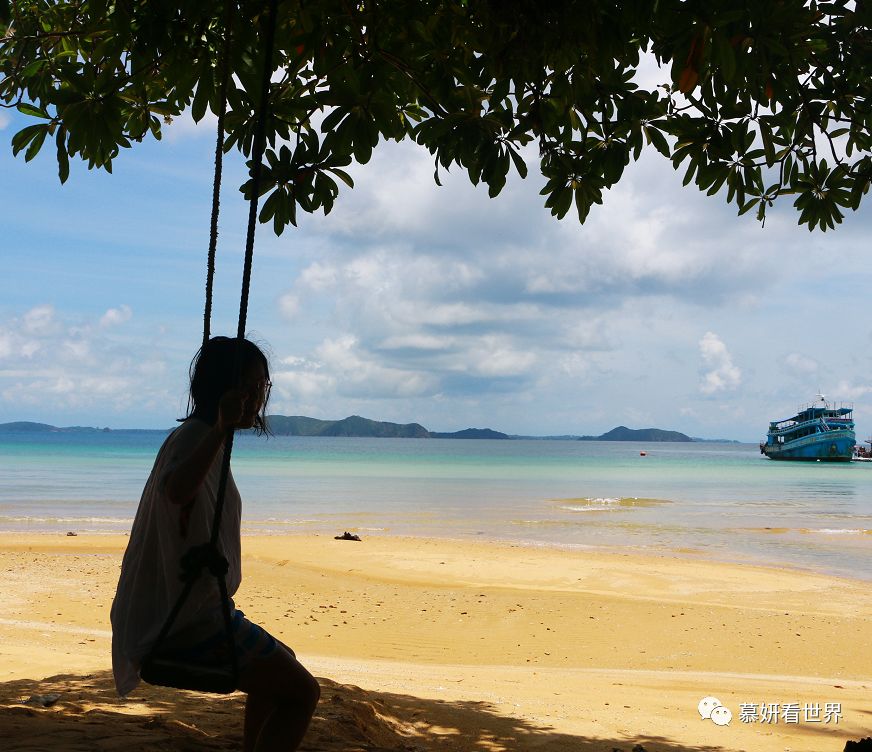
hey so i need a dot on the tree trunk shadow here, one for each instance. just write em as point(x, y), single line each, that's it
point(87, 715)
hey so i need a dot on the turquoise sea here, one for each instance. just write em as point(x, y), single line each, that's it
point(719, 501)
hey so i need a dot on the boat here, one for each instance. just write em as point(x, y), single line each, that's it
point(820, 431)
point(861, 454)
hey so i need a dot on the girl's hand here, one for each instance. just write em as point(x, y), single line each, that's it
point(232, 409)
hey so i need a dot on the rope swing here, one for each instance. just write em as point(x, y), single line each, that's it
point(161, 668)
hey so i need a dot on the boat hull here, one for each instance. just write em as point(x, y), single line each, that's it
point(824, 447)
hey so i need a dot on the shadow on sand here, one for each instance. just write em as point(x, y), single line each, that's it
point(81, 713)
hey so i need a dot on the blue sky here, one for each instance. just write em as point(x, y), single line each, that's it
point(412, 302)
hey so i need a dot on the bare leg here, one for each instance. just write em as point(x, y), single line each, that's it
point(257, 709)
point(282, 696)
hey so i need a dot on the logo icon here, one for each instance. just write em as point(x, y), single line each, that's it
point(710, 708)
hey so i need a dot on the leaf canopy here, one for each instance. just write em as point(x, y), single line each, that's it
point(754, 101)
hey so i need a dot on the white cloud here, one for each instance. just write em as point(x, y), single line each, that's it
point(4, 120)
point(483, 298)
point(319, 277)
point(497, 357)
point(29, 348)
point(340, 366)
point(358, 373)
point(293, 361)
point(289, 305)
point(590, 334)
point(801, 364)
point(417, 341)
point(574, 365)
point(720, 374)
point(39, 321)
point(115, 316)
point(846, 390)
point(637, 243)
point(77, 349)
point(62, 363)
point(293, 387)
point(183, 127)
point(62, 385)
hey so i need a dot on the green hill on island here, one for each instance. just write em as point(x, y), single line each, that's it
point(470, 433)
point(622, 433)
point(300, 425)
point(28, 426)
point(358, 427)
point(354, 425)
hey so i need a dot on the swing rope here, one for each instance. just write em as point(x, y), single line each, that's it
point(256, 171)
point(219, 162)
point(166, 671)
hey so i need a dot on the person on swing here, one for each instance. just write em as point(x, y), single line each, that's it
point(175, 513)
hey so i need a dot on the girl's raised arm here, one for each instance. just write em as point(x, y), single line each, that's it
point(183, 482)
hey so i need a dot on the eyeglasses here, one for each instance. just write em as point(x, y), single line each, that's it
point(258, 386)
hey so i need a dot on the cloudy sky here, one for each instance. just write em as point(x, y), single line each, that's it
point(412, 302)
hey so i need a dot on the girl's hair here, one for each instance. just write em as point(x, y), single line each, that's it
point(214, 371)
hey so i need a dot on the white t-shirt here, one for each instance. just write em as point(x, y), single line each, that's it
point(149, 584)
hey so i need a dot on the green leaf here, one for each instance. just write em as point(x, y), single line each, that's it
point(21, 139)
point(726, 57)
point(747, 207)
point(343, 176)
point(658, 140)
point(35, 145)
point(691, 168)
point(718, 183)
point(707, 175)
point(518, 160)
point(28, 109)
point(205, 91)
point(291, 206)
point(562, 203)
point(333, 119)
point(362, 148)
point(31, 69)
point(62, 156)
point(268, 210)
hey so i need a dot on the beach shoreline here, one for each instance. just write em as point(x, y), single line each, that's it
point(589, 647)
point(254, 529)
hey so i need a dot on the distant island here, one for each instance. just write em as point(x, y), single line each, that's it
point(298, 425)
point(622, 433)
point(357, 427)
point(354, 425)
point(27, 426)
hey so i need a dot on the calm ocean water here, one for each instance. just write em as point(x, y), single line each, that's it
point(720, 501)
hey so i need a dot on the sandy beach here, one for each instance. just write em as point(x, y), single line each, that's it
point(429, 644)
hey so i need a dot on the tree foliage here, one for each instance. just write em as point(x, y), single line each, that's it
point(755, 100)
